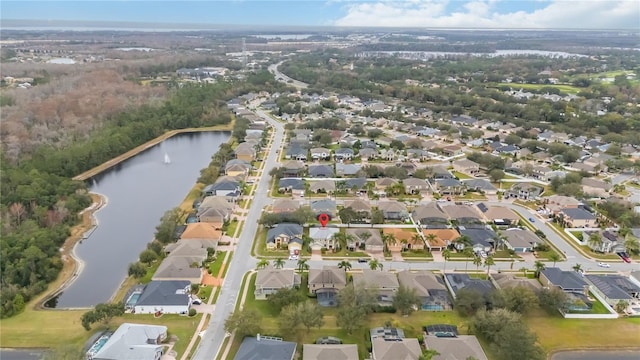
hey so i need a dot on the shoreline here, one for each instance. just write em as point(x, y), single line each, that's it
point(140, 148)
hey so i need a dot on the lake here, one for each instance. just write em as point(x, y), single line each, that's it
point(139, 191)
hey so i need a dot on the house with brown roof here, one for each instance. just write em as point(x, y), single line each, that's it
point(322, 186)
point(520, 240)
point(384, 283)
point(415, 185)
point(463, 213)
point(383, 183)
point(595, 187)
point(555, 203)
point(270, 280)
point(439, 239)
point(430, 215)
point(245, 151)
point(201, 231)
point(429, 287)
point(460, 347)
point(466, 166)
point(330, 352)
point(359, 206)
point(215, 210)
point(451, 150)
point(293, 168)
point(237, 168)
point(505, 280)
point(325, 283)
point(393, 210)
point(366, 239)
point(499, 215)
point(285, 206)
point(401, 349)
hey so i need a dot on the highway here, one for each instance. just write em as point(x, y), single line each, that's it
point(273, 68)
point(242, 261)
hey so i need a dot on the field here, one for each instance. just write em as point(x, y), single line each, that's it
point(567, 89)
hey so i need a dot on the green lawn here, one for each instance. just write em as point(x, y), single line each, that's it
point(205, 292)
point(461, 176)
point(563, 88)
point(260, 246)
point(214, 267)
point(233, 225)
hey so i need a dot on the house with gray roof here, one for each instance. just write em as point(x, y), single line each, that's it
point(429, 287)
point(565, 280)
point(505, 280)
point(614, 288)
point(330, 352)
point(415, 185)
point(386, 333)
point(482, 239)
point(357, 184)
point(270, 280)
point(384, 283)
point(365, 239)
point(180, 268)
point(293, 185)
point(393, 210)
point(322, 186)
point(481, 185)
point(449, 186)
point(457, 282)
point(403, 349)
point(321, 171)
point(165, 296)
point(524, 191)
point(264, 348)
point(132, 342)
point(578, 217)
point(281, 235)
point(323, 238)
point(367, 154)
point(296, 152)
point(343, 169)
point(430, 215)
point(342, 154)
point(325, 283)
point(324, 206)
point(520, 240)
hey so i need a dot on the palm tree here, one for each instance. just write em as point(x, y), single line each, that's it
point(539, 265)
point(428, 354)
point(404, 243)
point(477, 261)
point(631, 244)
point(463, 240)
point(263, 263)
point(341, 238)
point(431, 238)
point(468, 253)
point(577, 267)
point(488, 262)
point(278, 263)
point(524, 271)
point(302, 265)
point(375, 264)
point(595, 240)
point(389, 239)
point(344, 265)
point(446, 254)
point(555, 258)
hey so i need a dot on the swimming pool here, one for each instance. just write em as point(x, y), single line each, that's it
point(133, 299)
point(98, 345)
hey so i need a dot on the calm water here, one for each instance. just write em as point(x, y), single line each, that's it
point(139, 191)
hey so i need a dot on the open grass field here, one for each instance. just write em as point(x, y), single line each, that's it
point(568, 89)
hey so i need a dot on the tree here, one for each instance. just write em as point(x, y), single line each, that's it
point(621, 306)
point(376, 264)
point(278, 263)
point(463, 240)
point(101, 312)
point(302, 265)
point(477, 261)
point(245, 322)
point(468, 302)
point(632, 245)
point(284, 297)
point(507, 334)
point(552, 299)
point(577, 267)
point(137, 270)
point(468, 253)
point(310, 315)
point(519, 299)
point(555, 257)
point(263, 263)
point(406, 300)
point(148, 256)
point(354, 304)
point(446, 255)
point(428, 354)
point(488, 262)
point(496, 175)
point(539, 265)
point(595, 241)
point(166, 230)
point(344, 265)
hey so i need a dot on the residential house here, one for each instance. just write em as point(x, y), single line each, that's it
point(404, 349)
point(482, 239)
point(325, 283)
point(354, 185)
point(265, 348)
point(480, 185)
point(343, 154)
point(365, 239)
point(330, 352)
point(347, 169)
point(366, 154)
point(457, 282)
point(296, 153)
point(393, 210)
point(439, 239)
point(224, 186)
point(237, 168)
point(415, 185)
point(164, 296)
point(463, 214)
point(499, 215)
point(322, 186)
point(181, 268)
point(403, 239)
point(361, 207)
point(430, 215)
point(324, 238)
point(464, 120)
point(324, 206)
point(293, 168)
point(568, 281)
point(452, 150)
point(609, 241)
point(418, 154)
point(321, 171)
point(245, 151)
point(284, 235)
point(595, 187)
point(293, 185)
point(384, 283)
point(555, 203)
point(285, 206)
point(455, 348)
point(520, 240)
point(387, 154)
point(386, 333)
point(614, 288)
point(466, 166)
point(524, 191)
point(578, 218)
point(132, 341)
point(201, 231)
point(215, 210)
point(270, 280)
point(441, 173)
point(505, 280)
point(381, 184)
point(320, 153)
point(429, 287)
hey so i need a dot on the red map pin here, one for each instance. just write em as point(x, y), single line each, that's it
point(324, 219)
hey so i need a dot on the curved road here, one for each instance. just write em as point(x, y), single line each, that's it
point(242, 261)
point(273, 68)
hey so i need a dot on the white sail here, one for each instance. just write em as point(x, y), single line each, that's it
point(166, 159)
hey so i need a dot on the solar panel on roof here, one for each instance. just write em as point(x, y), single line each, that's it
point(441, 330)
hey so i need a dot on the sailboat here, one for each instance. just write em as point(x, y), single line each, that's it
point(166, 159)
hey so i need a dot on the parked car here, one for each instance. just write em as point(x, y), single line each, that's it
point(483, 254)
point(363, 260)
point(532, 219)
point(329, 340)
point(604, 265)
point(624, 256)
point(293, 257)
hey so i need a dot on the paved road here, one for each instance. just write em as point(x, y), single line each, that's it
point(285, 79)
point(242, 261)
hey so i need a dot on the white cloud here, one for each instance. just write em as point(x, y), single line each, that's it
point(590, 14)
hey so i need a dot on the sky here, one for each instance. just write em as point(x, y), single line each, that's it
point(510, 14)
